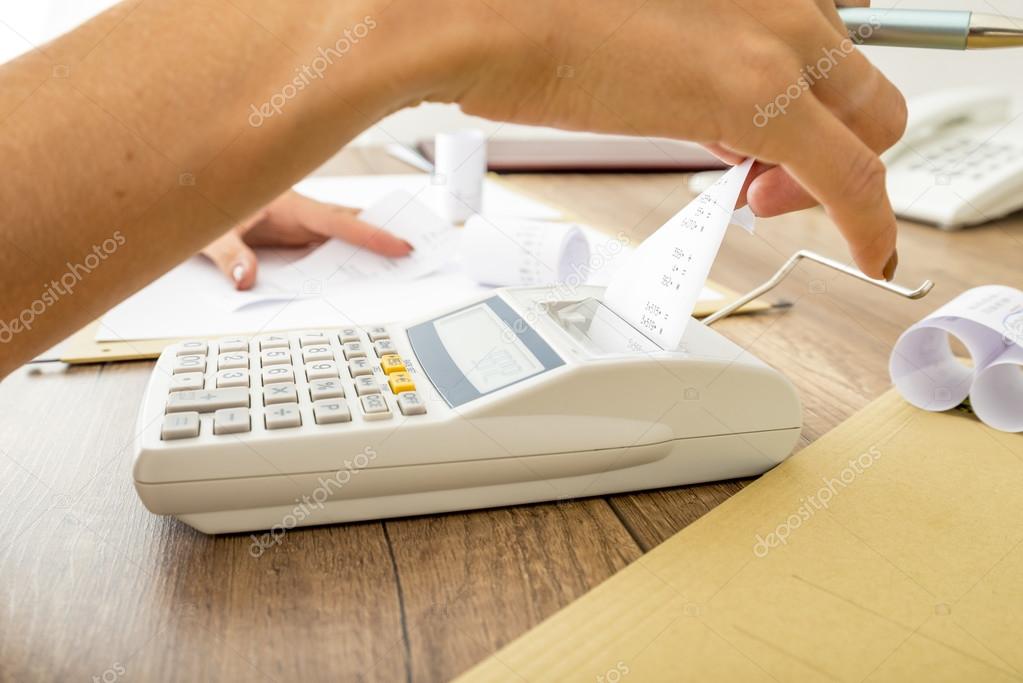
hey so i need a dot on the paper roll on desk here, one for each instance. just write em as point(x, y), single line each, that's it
point(461, 165)
point(507, 252)
point(989, 322)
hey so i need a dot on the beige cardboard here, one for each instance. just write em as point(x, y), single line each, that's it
point(910, 569)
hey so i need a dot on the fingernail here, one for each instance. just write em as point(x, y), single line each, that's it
point(238, 272)
point(889, 269)
point(410, 247)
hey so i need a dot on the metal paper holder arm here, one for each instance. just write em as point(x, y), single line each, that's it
point(788, 267)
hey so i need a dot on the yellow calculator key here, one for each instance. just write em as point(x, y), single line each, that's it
point(400, 381)
point(391, 363)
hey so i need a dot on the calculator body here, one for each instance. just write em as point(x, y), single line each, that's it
point(522, 395)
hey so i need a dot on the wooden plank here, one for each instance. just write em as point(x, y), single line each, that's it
point(472, 582)
point(93, 582)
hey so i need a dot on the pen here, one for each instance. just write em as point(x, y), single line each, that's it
point(939, 29)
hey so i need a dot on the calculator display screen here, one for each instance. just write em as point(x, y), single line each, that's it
point(485, 349)
point(480, 349)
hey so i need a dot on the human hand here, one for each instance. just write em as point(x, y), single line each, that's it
point(748, 78)
point(293, 220)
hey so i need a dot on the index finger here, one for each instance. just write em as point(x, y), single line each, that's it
point(844, 175)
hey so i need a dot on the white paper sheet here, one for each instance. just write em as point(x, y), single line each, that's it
point(989, 322)
point(337, 264)
point(197, 300)
point(657, 289)
point(361, 192)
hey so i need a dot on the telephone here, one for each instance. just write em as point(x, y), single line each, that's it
point(960, 162)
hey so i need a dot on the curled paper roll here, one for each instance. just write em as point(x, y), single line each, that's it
point(989, 323)
point(459, 168)
point(510, 251)
point(997, 393)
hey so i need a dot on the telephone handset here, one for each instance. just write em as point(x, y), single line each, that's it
point(960, 162)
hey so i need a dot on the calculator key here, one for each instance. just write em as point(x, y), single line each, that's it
point(391, 363)
point(232, 378)
point(324, 369)
point(374, 407)
point(280, 393)
point(192, 347)
point(367, 384)
point(275, 357)
point(278, 373)
point(378, 333)
point(180, 426)
point(208, 400)
point(384, 347)
point(187, 381)
point(325, 388)
point(353, 350)
point(232, 421)
point(233, 344)
point(360, 366)
point(283, 416)
point(312, 353)
point(313, 339)
point(233, 360)
point(410, 403)
point(189, 364)
point(349, 334)
point(273, 341)
point(400, 382)
point(329, 412)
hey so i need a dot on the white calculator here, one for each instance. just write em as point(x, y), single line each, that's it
point(523, 395)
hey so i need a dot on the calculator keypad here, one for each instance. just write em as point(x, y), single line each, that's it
point(374, 407)
point(321, 370)
point(207, 400)
point(331, 412)
point(360, 367)
point(285, 392)
point(325, 388)
point(410, 403)
point(189, 363)
point(231, 421)
point(233, 360)
point(232, 378)
point(280, 373)
point(270, 381)
point(180, 426)
point(283, 416)
point(187, 381)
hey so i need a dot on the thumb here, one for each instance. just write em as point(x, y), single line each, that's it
point(234, 258)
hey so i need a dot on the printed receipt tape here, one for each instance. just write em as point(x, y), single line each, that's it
point(657, 288)
point(989, 322)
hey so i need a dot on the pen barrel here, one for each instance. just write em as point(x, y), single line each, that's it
point(941, 29)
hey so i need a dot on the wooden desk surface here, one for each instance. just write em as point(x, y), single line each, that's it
point(93, 585)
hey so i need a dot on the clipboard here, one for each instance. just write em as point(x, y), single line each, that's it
point(82, 348)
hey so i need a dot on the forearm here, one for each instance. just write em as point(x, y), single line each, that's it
point(135, 140)
point(148, 128)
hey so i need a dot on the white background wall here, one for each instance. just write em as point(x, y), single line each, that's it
point(25, 23)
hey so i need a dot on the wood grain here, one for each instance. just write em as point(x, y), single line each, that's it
point(92, 584)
